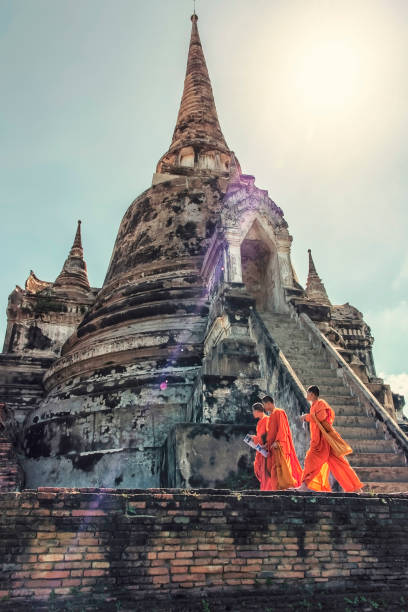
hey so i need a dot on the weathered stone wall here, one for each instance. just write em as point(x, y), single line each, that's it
point(129, 373)
point(69, 547)
point(208, 455)
point(21, 387)
point(114, 438)
point(38, 324)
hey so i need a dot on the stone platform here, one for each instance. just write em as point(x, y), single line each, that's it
point(208, 549)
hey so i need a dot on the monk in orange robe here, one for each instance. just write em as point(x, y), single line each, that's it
point(282, 464)
point(260, 438)
point(327, 450)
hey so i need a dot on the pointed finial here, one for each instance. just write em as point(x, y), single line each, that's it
point(77, 240)
point(73, 277)
point(312, 268)
point(315, 289)
point(197, 126)
point(194, 12)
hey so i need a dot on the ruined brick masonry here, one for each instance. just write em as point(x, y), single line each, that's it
point(127, 546)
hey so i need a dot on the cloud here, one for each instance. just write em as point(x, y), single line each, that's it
point(398, 384)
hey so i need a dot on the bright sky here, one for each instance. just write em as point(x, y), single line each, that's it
point(312, 97)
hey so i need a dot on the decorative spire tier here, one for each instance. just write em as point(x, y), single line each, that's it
point(198, 142)
point(34, 285)
point(73, 278)
point(315, 289)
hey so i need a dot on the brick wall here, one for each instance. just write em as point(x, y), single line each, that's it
point(176, 547)
point(11, 476)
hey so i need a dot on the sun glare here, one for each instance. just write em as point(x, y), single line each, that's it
point(327, 75)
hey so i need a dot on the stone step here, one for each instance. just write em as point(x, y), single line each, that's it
point(353, 421)
point(386, 487)
point(308, 366)
point(272, 321)
point(297, 353)
point(308, 361)
point(383, 474)
point(348, 410)
point(372, 446)
point(377, 459)
point(304, 370)
point(332, 389)
point(337, 391)
point(276, 315)
point(283, 328)
point(324, 374)
point(339, 400)
point(359, 433)
point(288, 335)
point(281, 322)
point(303, 352)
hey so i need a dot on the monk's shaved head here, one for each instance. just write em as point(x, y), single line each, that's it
point(257, 407)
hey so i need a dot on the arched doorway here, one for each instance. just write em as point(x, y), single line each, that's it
point(258, 270)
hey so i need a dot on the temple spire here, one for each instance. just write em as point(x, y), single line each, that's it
point(197, 118)
point(73, 278)
point(77, 240)
point(315, 289)
point(198, 141)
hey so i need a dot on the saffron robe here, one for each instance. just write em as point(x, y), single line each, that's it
point(260, 460)
point(279, 431)
point(320, 458)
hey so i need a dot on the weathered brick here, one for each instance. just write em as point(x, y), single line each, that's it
point(36, 584)
point(72, 557)
point(51, 557)
point(207, 569)
point(93, 556)
point(49, 575)
point(213, 505)
point(161, 579)
point(157, 571)
point(178, 569)
point(184, 554)
point(94, 572)
point(166, 555)
point(137, 504)
point(185, 578)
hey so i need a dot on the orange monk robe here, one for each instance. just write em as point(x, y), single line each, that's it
point(320, 458)
point(260, 460)
point(279, 431)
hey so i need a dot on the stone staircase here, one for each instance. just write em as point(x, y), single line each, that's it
point(377, 460)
